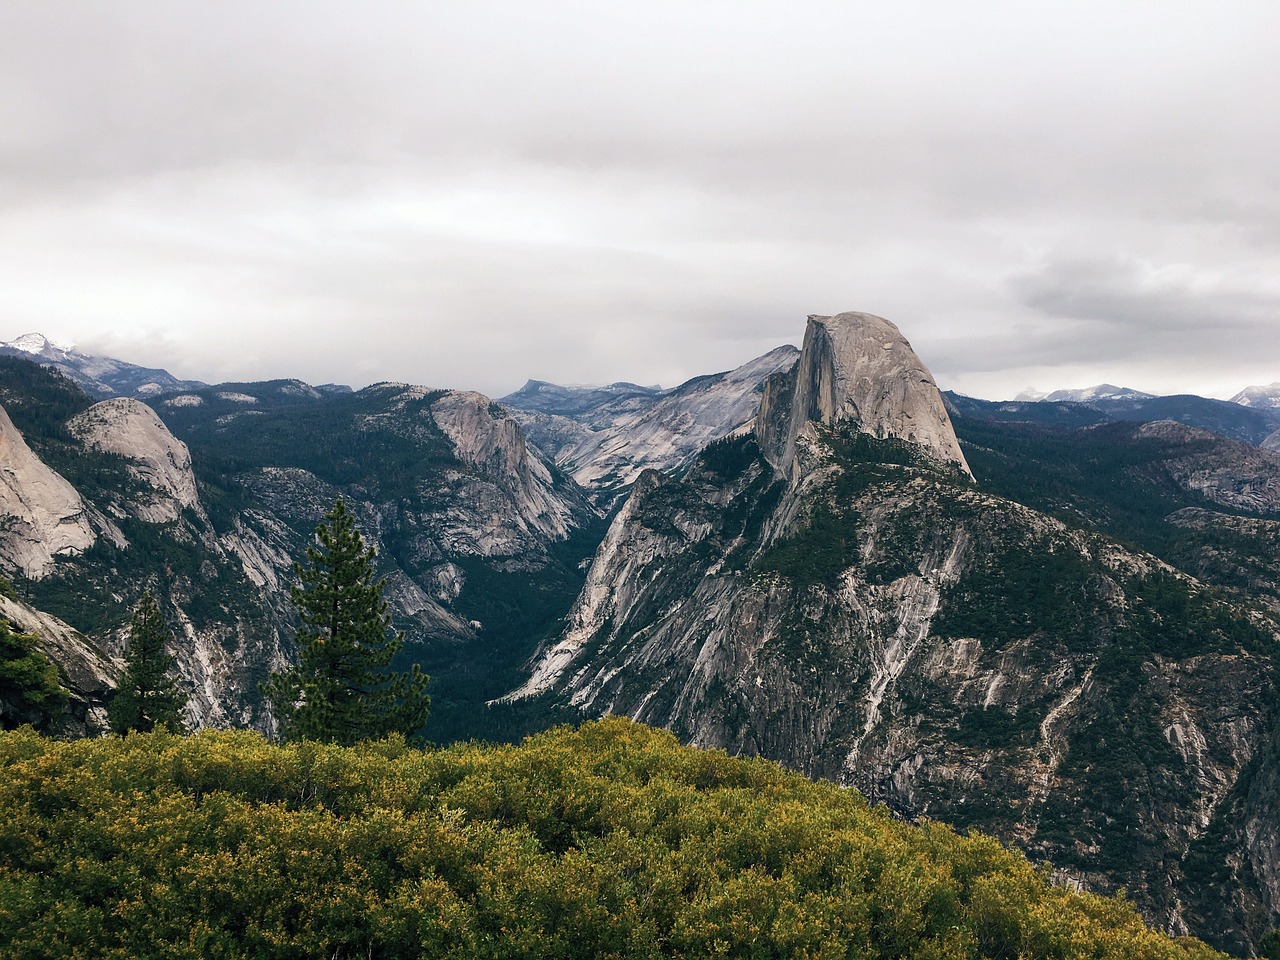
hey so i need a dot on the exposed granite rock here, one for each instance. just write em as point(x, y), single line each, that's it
point(41, 514)
point(1232, 473)
point(859, 367)
point(130, 429)
point(486, 438)
point(88, 673)
point(608, 442)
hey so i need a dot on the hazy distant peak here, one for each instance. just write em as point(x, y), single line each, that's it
point(38, 345)
point(1259, 396)
point(1102, 391)
point(100, 377)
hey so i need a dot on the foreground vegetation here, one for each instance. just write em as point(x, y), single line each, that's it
point(607, 841)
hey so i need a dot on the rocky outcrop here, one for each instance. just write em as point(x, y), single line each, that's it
point(86, 672)
point(856, 367)
point(41, 514)
point(485, 438)
point(131, 429)
point(1231, 473)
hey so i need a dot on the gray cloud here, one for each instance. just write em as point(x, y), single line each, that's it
point(472, 194)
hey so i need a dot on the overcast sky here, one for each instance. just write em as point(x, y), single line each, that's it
point(472, 194)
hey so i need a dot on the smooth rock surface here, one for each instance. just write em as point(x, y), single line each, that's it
point(131, 429)
point(41, 514)
point(856, 366)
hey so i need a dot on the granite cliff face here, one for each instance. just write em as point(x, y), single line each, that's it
point(86, 672)
point(129, 428)
point(485, 439)
point(43, 515)
point(606, 437)
point(855, 367)
point(834, 593)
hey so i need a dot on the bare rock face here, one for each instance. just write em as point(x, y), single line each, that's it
point(41, 514)
point(84, 670)
point(1232, 473)
point(856, 366)
point(614, 434)
point(131, 429)
point(613, 579)
point(485, 438)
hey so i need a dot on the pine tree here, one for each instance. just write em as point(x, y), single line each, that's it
point(342, 690)
point(29, 687)
point(147, 698)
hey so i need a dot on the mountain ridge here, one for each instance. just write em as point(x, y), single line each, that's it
point(1077, 652)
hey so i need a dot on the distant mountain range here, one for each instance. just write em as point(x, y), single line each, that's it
point(100, 377)
point(606, 436)
point(1103, 391)
point(1056, 620)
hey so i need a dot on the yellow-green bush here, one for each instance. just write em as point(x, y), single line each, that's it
point(607, 841)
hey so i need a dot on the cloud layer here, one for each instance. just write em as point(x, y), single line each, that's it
point(469, 195)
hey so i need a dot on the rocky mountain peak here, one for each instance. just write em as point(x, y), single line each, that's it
point(38, 345)
point(856, 366)
point(1265, 397)
point(131, 429)
point(489, 441)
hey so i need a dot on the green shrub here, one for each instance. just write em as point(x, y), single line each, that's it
point(606, 841)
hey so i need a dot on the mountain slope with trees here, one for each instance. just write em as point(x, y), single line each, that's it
point(835, 595)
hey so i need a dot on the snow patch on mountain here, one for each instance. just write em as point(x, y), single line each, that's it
point(1267, 397)
point(1102, 391)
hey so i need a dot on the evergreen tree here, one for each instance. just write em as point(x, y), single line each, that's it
point(342, 690)
point(147, 698)
point(29, 687)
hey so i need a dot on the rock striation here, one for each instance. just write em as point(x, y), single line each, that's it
point(606, 437)
point(41, 514)
point(486, 439)
point(856, 367)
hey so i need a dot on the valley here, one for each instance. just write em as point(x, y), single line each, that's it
point(1055, 621)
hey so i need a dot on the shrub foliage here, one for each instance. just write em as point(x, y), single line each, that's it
point(606, 841)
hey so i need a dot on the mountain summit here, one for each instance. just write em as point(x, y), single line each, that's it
point(100, 377)
point(856, 366)
point(833, 592)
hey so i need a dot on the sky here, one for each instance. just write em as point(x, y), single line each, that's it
point(468, 195)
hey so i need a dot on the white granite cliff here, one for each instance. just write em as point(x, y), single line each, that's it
point(856, 366)
point(41, 514)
